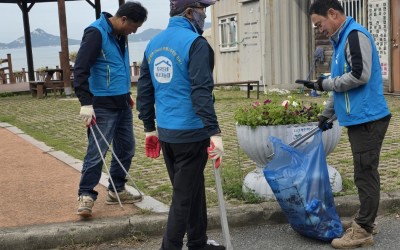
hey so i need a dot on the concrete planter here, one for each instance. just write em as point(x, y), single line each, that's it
point(255, 143)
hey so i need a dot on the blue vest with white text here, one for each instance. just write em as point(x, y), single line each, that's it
point(168, 57)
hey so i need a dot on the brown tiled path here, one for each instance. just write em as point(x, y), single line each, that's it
point(36, 188)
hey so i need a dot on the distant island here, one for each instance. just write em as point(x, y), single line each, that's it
point(41, 38)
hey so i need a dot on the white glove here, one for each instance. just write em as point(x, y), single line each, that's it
point(216, 149)
point(87, 113)
point(152, 133)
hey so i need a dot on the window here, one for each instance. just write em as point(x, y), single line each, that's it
point(228, 33)
point(356, 9)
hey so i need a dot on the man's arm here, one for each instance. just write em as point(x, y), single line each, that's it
point(145, 99)
point(87, 55)
point(329, 109)
point(201, 63)
point(358, 50)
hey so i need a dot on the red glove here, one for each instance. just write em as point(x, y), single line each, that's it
point(153, 146)
point(131, 102)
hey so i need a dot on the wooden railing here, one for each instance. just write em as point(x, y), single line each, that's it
point(7, 75)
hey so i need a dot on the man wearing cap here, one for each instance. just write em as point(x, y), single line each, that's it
point(175, 91)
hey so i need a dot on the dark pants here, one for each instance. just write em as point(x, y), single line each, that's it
point(366, 142)
point(188, 212)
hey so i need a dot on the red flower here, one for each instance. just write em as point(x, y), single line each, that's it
point(267, 101)
point(256, 104)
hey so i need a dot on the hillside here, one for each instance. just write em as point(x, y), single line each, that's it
point(144, 36)
point(41, 38)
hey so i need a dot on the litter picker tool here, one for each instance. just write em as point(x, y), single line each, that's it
point(318, 57)
point(306, 136)
point(104, 161)
point(303, 81)
point(222, 210)
point(93, 123)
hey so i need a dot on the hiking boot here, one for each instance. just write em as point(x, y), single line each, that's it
point(347, 224)
point(354, 237)
point(85, 206)
point(124, 196)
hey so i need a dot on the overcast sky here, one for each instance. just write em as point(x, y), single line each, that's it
point(79, 15)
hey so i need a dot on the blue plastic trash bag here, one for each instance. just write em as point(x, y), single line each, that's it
point(300, 181)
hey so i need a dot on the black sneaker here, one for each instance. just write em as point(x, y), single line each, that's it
point(212, 247)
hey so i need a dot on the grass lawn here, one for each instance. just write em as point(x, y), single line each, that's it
point(56, 122)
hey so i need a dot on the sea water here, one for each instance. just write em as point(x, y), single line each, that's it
point(48, 56)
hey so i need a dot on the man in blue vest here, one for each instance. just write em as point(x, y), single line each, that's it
point(102, 83)
point(175, 90)
point(359, 104)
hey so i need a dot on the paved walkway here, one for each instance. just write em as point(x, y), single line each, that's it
point(39, 185)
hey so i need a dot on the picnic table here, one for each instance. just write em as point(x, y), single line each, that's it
point(39, 88)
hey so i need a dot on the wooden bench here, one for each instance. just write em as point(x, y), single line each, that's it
point(37, 88)
point(40, 89)
point(55, 86)
point(249, 84)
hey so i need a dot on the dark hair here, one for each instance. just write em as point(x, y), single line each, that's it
point(321, 7)
point(134, 11)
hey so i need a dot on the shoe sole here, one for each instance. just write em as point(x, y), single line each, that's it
point(367, 243)
point(85, 213)
point(124, 202)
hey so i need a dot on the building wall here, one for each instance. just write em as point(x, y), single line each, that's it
point(287, 42)
point(227, 64)
point(273, 42)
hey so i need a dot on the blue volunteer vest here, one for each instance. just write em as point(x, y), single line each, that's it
point(110, 75)
point(168, 57)
point(364, 103)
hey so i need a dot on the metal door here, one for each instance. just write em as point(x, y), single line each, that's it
point(395, 50)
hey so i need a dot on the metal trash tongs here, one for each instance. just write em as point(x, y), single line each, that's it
point(93, 123)
point(306, 136)
point(222, 210)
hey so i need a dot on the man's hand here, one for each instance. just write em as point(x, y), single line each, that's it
point(87, 113)
point(131, 102)
point(323, 123)
point(306, 83)
point(319, 84)
point(152, 146)
point(312, 85)
point(216, 149)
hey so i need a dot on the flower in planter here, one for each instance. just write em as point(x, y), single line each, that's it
point(276, 112)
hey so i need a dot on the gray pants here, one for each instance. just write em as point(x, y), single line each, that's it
point(366, 142)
